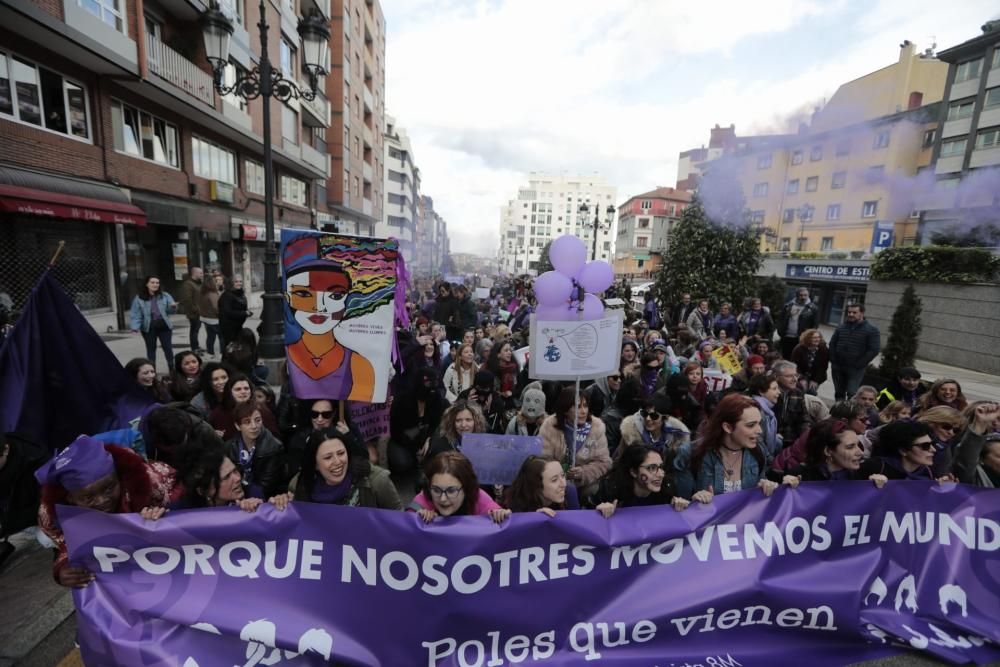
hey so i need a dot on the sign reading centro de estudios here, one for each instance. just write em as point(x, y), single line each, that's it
point(825, 574)
point(828, 272)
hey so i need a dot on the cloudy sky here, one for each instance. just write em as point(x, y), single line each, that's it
point(490, 90)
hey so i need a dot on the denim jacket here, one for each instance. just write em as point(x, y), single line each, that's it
point(141, 316)
point(713, 474)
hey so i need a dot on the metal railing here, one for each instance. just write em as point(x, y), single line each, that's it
point(178, 70)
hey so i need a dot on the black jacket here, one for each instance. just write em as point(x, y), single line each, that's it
point(233, 312)
point(467, 318)
point(268, 474)
point(19, 492)
point(808, 318)
point(854, 344)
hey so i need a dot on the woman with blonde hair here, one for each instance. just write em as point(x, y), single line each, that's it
point(459, 375)
point(945, 424)
point(460, 418)
point(893, 412)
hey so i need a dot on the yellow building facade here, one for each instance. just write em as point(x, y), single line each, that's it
point(854, 169)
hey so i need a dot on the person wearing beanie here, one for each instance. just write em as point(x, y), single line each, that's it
point(532, 412)
point(484, 392)
point(755, 366)
point(107, 478)
point(652, 425)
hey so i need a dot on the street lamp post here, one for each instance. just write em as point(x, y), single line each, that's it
point(512, 245)
point(266, 82)
point(598, 223)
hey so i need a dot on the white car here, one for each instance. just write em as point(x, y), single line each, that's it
point(639, 294)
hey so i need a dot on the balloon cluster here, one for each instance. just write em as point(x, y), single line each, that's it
point(568, 293)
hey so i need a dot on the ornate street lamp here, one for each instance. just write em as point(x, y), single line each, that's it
point(266, 82)
point(598, 223)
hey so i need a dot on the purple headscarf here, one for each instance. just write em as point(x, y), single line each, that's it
point(81, 464)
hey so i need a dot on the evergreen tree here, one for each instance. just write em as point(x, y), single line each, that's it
point(904, 335)
point(713, 256)
point(544, 264)
point(771, 291)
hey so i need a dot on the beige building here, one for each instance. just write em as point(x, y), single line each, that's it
point(845, 183)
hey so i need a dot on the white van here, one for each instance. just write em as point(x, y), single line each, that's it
point(639, 294)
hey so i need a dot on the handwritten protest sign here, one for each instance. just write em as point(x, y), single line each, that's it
point(372, 419)
point(717, 380)
point(728, 360)
point(482, 292)
point(497, 458)
point(571, 350)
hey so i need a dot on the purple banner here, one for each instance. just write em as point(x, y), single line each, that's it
point(827, 573)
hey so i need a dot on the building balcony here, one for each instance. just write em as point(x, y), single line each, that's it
point(315, 112)
point(317, 159)
point(368, 136)
point(368, 98)
point(179, 71)
point(367, 171)
point(322, 5)
point(367, 207)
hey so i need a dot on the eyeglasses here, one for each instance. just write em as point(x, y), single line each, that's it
point(650, 414)
point(951, 428)
point(447, 492)
point(653, 468)
point(321, 414)
point(926, 446)
point(614, 377)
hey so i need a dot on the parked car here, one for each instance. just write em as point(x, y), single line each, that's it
point(639, 294)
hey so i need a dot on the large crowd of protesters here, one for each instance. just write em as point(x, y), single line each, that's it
point(652, 432)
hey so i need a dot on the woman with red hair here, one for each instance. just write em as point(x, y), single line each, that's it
point(726, 458)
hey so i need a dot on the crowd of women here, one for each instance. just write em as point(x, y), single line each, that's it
point(650, 433)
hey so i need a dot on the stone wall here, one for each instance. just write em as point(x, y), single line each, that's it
point(961, 323)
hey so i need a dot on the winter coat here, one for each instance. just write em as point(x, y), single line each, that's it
point(592, 458)
point(143, 484)
point(966, 463)
point(892, 468)
point(631, 435)
point(455, 383)
point(221, 419)
point(599, 396)
point(790, 411)
point(808, 318)
point(817, 372)
point(374, 489)
point(728, 324)
point(697, 325)
point(233, 312)
point(765, 325)
point(265, 475)
point(466, 311)
point(141, 313)
point(712, 474)
point(769, 440)
point(188, 302)
point(208, 303)
point(679, 315)
point(613, 417)
point(444, 311)
point(19, 492)
point(854, 344)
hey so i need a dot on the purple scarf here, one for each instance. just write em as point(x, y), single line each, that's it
point(330, 494)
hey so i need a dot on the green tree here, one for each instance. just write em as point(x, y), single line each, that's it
point(771, 291)
point(712, 256)
point(544, 264)
point(904, 334)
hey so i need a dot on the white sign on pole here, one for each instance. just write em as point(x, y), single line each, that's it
point(482, 292)
point(575, 350)
point(717, 380)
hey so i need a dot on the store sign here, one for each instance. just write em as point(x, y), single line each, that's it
point(882, 236)
point(854, 274)
point(221, 191)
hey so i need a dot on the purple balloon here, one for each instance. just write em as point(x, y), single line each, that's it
point(560, 313)
point(568, 254)
point(596, 276)
point(552, 288)
point(593, 309)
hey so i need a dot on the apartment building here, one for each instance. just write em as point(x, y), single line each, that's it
point(644, 225)
point(355, 189)
point(114, 139)
point(548, 207)
point(689, 162)
point(402, 190)
point(965, 191)
point(847, 182)
point(433, 244)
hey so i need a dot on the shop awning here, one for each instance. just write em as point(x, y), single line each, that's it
point(32, 193)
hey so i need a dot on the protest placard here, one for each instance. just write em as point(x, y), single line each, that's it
point(717, 380)
point(482, 292)
point(372, 419)
point(576, 349)
point(728, 360)
point(497, 458)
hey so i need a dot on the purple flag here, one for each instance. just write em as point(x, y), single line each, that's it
point(826, 574)
point(57, 377)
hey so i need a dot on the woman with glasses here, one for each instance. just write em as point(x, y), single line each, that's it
point(572, 428)
point(945, 424)
point(451, 489)
point(905, 450)
point(648, 374)
point(727, 458)
point(638, 479)
point(334, 469)
point(318, 415)
point(653, 427)
point(540, 486)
